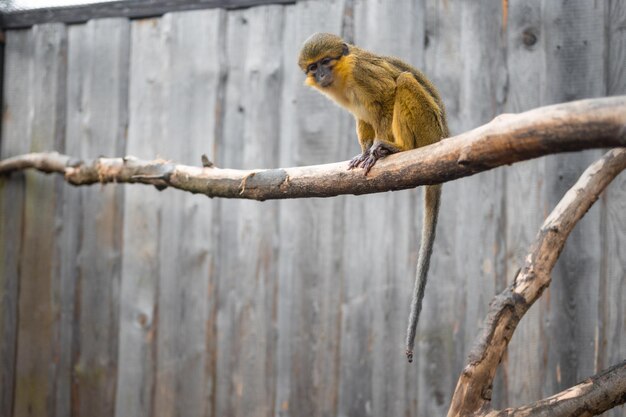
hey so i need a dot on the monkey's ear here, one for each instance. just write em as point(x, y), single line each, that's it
point(345, 50)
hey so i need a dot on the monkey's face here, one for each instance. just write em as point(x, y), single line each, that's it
point(320, 73)
point(319, 56)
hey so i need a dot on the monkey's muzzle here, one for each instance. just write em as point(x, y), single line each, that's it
point(323, 76)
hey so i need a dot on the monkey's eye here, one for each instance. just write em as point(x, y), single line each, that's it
point(312, 68)
point(326, 61)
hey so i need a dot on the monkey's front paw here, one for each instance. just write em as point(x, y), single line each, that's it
point(376, 152)
point(369, 162)
point(358, 160)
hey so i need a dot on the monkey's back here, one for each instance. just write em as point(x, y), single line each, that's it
point(369, 78)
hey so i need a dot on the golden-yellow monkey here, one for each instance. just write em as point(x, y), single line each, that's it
point(396, 109)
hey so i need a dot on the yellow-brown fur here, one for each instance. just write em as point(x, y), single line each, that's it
point(402, 107)
point(396, 109)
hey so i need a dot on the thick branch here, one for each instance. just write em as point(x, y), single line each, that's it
point(507, 139)
point(591, 397)
point(473, 390)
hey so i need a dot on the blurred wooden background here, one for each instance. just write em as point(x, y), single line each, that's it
point(125, 301)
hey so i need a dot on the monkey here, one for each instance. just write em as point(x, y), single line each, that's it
point(396, 108)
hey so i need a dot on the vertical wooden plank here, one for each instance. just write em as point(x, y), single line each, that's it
point(142, 223)
point(313, 131)
point(186, 246)
point(479, 201)
point(38, 307)
point(575, 68)
point(167, 292)
point(616, 70)
point(525, 206)
point(479, 269)
point(68, 241)
point(16, 128)
point(229, 153)
point(611, 343)
point(97, 121)
point(440, 347)
point(248, 257)
point(286, 269)
point(379, 251)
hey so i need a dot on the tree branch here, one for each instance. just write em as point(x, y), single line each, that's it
point(473, 390)
point(591, 397)
point(507, 139)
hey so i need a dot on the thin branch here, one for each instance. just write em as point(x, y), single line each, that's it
point(585, 124)
point(591, 397)
point(473, 390)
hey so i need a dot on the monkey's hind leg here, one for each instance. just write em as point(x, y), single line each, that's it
point(416, 116)
point(366, 135)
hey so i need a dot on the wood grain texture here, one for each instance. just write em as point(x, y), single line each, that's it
point(441, 346)
point(310, 270)
point(611, 339)
point(166, 313)
point(524, 207)
point(574, 48)
point(39, 286)
point(16, 102)
point(130, 9)
point(296, 307)
point(479, 201)
point(380, 236)
point(141, 231)
point(248, 254)
point(97, 121)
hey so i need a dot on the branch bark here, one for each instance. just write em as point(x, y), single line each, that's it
point(591, 397)
point(473, 391)
point(507, 139)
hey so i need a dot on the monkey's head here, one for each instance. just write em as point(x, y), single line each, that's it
point(319, 55)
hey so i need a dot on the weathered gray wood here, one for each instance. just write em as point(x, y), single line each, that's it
point(229, 398)
point(248, 261)
point(299, 307)
point(611, 339)
point(65, 330)
point(133, 9)
point(524, 206)
point(616, 47)
point(481, 216)
point(379, 249)
point(479, 208)
point(286, 222)
point(142, 220)
point(15, 139)
point(68, 241)
point(97, 121)
point(2, 54)
point(35, 368)
point(440, 344)
point(310, 269)
point(186, 251)
point(574, 42)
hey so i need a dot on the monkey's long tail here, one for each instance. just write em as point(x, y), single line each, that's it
point(432, 197)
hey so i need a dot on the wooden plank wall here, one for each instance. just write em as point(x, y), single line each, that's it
point(127, 301)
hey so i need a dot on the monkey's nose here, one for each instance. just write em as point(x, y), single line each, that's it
point(324, 80)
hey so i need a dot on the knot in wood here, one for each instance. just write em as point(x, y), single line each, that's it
point(529, 37)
